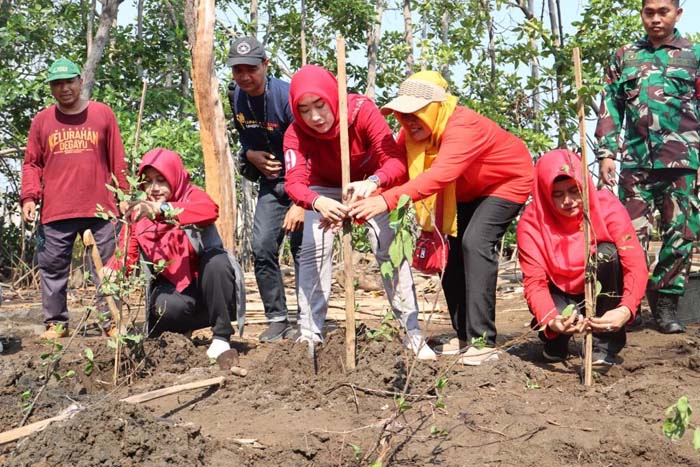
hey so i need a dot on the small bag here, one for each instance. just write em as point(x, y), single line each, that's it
point(431, 253)
point(432, 248)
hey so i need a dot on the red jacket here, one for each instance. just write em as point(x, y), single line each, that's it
point(483, 158)
point(313, 159)
point(69, 161)
point(159, 239)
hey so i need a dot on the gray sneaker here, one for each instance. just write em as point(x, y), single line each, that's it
point(276, 331)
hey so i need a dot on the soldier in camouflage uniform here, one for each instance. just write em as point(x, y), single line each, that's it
point(651, 88)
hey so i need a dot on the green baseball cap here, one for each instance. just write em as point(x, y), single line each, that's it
point(62, 69)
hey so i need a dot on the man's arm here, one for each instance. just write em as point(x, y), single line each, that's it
point(610, 119)
point(32, 172)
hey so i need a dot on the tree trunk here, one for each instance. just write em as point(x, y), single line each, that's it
point(424, 35)
point(218, 165)
point(445, 37)
point(139, 35)
point(254, 17)
point(108, 16)
point(408, 36)
point(559, 68)
point(302, 35)
point(535, 73)
point(486, 6)
point(373, 48)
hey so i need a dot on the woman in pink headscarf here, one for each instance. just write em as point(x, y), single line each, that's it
point(314, 176)
point(551, 252)
point(194, 289)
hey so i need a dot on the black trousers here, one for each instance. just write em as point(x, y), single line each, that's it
point(208, 301)
point(470, 277)
point(609, 274)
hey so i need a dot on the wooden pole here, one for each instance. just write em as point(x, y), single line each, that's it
point(137, 133)
point(218, 165)
point(347, 224)
point(588, 290)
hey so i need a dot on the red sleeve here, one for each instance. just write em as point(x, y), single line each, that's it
point(535, 279)
point(197, 209)
point(33, 166)
point(115, 152)
point(463, 141)
point(297, 177)
point(635, 273)
point(392, 157)
point(119, 259)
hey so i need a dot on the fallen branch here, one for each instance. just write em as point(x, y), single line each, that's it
point(380, 392)
point(150, 395)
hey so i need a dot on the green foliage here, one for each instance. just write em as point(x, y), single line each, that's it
point(402, 405)
point(678, 422)
point(356, 451)
point(89, 361)
point(568, 310)
point(52, 356)
point(531, 384)
point(479, 342)
point(401, 248)
point(25, 400)
point(385, 330)
point(435, 432)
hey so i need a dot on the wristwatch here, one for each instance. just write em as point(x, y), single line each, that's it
point(164, 207)
point(374, 179)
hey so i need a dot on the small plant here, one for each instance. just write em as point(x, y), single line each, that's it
point(678, 422)
point(531, 384)
point(402, 246)
point(89, 361)
point(402, 405)
point(25, 400)
point(439, 386)
point(52, 356)
point(385, 330)
point(356, 451)
point(479, 342)
point(435, 432)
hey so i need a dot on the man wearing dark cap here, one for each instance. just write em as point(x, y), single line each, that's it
point(74, 148)
point(261, 114)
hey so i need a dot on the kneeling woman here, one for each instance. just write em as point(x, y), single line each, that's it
point(551, 251)
point(194, 290)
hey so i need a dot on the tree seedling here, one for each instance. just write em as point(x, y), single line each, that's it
point(678, 422)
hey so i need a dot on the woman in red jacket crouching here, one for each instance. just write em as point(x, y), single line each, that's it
point(551, 251)
point(174, 228)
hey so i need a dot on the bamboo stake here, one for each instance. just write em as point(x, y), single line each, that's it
point(588, 290)
point(347, 225)
point(137, 133)
point(89, 242)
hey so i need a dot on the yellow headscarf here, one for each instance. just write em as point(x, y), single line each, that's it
point(421, 154)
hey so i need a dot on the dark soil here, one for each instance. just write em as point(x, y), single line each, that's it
point(288, 411)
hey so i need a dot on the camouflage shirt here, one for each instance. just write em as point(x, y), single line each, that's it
point(654, 92)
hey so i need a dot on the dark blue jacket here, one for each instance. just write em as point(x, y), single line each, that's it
point(251, 130)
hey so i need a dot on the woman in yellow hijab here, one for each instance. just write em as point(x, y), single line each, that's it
point(478, 176)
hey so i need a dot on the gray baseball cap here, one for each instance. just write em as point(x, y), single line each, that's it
point(246, 51)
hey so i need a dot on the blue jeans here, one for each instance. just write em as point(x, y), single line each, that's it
point(268, 235)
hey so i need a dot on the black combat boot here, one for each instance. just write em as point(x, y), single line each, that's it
point(666, 317)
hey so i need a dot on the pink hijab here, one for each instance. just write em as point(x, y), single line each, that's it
point(162, 240)
point(554, 241)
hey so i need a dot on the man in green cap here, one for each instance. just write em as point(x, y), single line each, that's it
point(652, 86)
point(73, 149)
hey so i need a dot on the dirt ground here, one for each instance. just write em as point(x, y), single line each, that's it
point(292, 411)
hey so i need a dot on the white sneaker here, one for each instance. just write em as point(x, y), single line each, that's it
point(475, 357)
point(417, 344)
point(452, 347)
point(217, 347)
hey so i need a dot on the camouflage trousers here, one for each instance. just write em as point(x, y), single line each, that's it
point(672, 193)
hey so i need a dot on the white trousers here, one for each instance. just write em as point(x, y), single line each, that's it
point(315, 262)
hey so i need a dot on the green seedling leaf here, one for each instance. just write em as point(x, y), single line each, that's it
point(356, 451)
point(568, 311)
point(403, 201)
point(441, 383)
point(440, 403)
point(387, 269)
point(598, 288)
point(696, 439)
point(396, 254)
point(69, 374)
